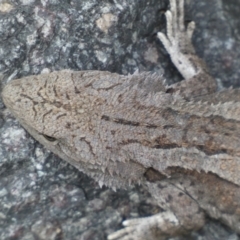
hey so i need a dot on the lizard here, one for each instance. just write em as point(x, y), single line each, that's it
point(180, 140)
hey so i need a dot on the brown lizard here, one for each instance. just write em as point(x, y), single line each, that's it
point(181, 140)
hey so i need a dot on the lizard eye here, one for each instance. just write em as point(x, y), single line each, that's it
point(49, 138)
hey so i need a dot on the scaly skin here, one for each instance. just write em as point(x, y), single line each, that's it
point(182, 140)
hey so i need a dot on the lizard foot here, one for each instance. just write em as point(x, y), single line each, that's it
point(157, 227)
point(177, 40)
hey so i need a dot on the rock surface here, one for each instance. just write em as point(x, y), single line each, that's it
point(41, 196)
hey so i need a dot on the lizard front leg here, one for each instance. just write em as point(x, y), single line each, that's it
point(183, 216)
point(156, 227)
point(187, 195)
point(177, 42)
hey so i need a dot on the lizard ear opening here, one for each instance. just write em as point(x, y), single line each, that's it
point(170, 90)
point(49, 138)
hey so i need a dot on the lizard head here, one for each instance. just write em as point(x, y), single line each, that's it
point(63, 111)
